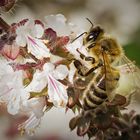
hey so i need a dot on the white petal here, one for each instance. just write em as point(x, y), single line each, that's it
point(21, 30)
point(29, 25)
point(60, 72)
point(12, 89)
point(16, 99)
point(21, 40)
point(5, 68)
point(37, 31)
point(8, 80)
point(17, 95)
point(72, 48)
point(4, 89)
point(48, 67)
point(38, 83)
point(37, 48)
point(57, 92)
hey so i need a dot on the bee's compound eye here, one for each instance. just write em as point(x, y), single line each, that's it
point(90, 37)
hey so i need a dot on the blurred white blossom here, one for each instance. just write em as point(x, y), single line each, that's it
point(59, 24)
point(29, 126)
point(35, 108)
point(129, 79)
point(11, 88)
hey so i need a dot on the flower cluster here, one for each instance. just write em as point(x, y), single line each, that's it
point(36, 67)
point(37, 73)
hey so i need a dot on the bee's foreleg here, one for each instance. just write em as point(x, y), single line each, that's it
point(80, 67)
point(83, 70)
point(82, 56)
point(91, 46)
point(91, 59)
point(86, 58)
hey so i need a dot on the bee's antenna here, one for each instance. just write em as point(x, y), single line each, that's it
point(78, 36)
point(90, 22)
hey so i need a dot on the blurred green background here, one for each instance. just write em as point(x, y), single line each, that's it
point(132, 48)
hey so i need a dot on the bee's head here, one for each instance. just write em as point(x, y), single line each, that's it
point(93, 34)
point(91, 37)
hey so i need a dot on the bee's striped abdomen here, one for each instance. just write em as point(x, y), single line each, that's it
point(95, 95)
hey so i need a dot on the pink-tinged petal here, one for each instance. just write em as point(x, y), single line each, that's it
point(22, 22)
point(11, 51)
point(30, 125)
point(37, 31)
point(39, 22)
point(60, 72)
point(37, 48)
point(57, 92)
point(62, 41)
point(50, 34)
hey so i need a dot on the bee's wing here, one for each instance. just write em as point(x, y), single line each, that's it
point(129, 77)
point(110, 75)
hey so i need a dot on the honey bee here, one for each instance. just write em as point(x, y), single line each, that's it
point(104, 55)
